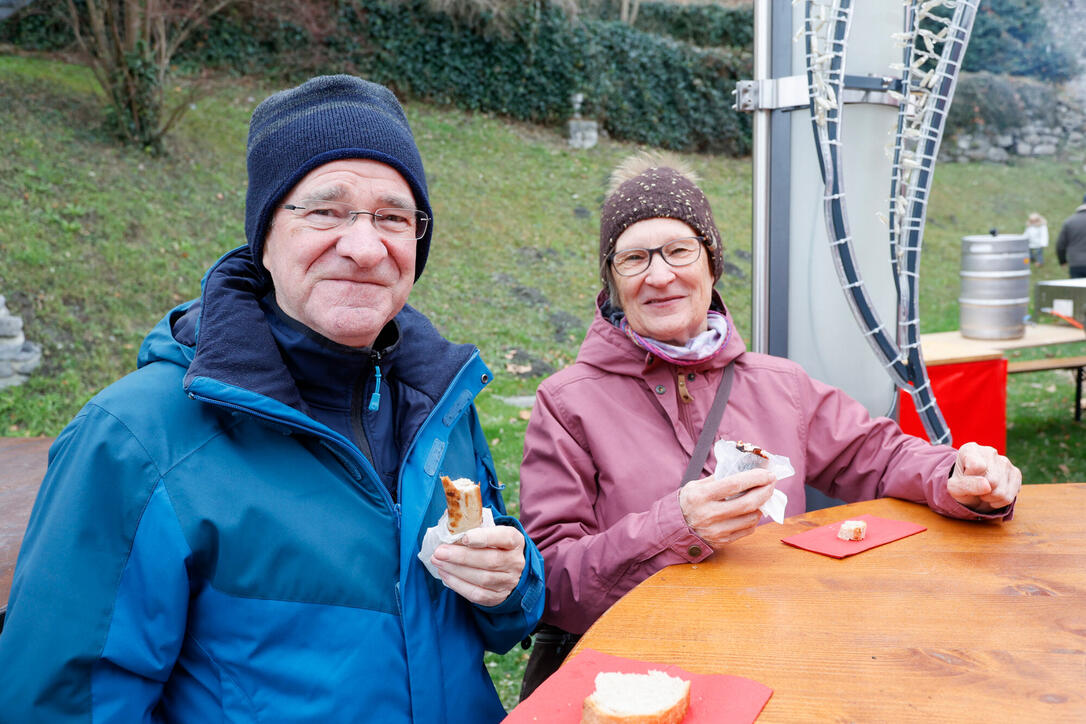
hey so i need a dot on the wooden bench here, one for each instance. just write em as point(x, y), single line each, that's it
point(1057, 363)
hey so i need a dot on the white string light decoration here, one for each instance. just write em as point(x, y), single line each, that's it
point(933, 42)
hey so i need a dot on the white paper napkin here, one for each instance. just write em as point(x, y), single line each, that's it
point(440, 534)
point(731, 460)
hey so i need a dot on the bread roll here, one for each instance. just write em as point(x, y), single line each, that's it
point(652, 698)
point(852, 530)
point(465, 503)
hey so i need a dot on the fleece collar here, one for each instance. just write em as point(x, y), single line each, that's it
point(325, 372)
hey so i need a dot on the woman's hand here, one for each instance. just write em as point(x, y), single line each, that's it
point(484, 566)
point(723, 510)
point(982, 479)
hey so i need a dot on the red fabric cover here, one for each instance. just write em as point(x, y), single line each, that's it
point(973, 399)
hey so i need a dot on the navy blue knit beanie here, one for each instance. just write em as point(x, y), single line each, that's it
point(325, 119)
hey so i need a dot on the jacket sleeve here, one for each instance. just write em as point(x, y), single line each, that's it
point(97, 610)
point(852, 456)
point(589, 566)
point(504, 625)
point(1061, 244)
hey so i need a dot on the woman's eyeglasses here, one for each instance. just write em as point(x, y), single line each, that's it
point(677, 252)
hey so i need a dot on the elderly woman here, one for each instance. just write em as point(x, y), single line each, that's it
point(603, 489)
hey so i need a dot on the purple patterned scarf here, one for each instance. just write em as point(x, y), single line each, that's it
point(697, 349)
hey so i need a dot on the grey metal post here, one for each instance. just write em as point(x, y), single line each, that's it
point(760, 179)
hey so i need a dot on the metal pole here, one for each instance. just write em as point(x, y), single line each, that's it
point(759, 339)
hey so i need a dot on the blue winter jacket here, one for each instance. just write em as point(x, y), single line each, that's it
point(203, 551)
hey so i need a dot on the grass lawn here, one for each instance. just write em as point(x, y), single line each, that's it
point(97, 242)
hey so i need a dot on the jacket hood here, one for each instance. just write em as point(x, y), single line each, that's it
point(224, 337)
point(607, 347)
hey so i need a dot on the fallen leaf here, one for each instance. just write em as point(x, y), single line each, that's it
point(525, 414)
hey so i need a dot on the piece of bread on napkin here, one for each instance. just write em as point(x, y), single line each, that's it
point(652, 698)
point(464, 501)
point(852, 530)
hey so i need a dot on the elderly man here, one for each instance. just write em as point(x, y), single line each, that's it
point(231, 533)
point(1071, 244)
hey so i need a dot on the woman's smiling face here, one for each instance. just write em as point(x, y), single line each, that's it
point(666, 303)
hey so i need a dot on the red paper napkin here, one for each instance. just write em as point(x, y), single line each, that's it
point(716, 698)
point(880, 531)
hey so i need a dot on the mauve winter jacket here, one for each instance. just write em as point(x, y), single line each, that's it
point(610, 438)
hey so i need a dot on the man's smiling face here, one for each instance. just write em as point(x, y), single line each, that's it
point(347, 282)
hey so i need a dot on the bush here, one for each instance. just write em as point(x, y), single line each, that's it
point(246, 42)
point(1012, 37)
point(665, 93)
point(38, 26)
point(642, 87)
point(1009, 36)
point(708, 26)
point(999, 104)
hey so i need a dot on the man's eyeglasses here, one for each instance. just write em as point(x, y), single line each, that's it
point(327, 215)
point(677, 252)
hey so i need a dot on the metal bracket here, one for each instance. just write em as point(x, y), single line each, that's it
point(791, 92)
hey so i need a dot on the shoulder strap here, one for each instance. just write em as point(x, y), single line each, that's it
point(712, 422)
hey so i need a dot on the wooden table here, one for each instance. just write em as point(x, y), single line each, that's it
point(952, 347)
point(22, 466)
point(965, 622)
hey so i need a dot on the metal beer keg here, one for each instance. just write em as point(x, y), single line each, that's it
point(994, 301)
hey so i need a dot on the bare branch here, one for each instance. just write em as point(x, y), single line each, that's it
point(191, 24)
point(179, 109)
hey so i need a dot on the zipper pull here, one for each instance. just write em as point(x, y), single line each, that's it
point(375, 399)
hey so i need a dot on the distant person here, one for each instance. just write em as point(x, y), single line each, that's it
point(231, 532)
point(1037, 233)
point(1071, 244)
point(616, 483)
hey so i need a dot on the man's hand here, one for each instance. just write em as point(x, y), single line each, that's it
point(982, 479)
point(484, 566)
point(716, 519)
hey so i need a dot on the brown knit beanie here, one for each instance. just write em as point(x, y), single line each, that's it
point(650, 186)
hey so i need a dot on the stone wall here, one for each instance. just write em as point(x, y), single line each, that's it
point(1040, 133)
point(18, 358)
